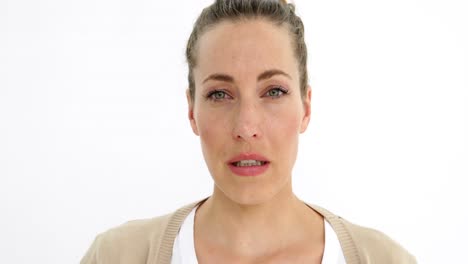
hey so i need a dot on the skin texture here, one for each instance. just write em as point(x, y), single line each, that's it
point(251, 219)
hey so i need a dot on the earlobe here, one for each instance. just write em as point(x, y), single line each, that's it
point(190, 102)
point(307, 109)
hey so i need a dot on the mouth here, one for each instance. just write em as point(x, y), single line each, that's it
point(248, 165)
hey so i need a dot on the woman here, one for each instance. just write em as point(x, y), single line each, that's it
point(248, 102)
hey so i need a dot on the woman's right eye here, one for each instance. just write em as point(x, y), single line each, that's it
point(217, 95)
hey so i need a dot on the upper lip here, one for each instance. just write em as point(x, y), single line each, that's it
point(248, 156)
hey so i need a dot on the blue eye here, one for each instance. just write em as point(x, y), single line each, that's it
point(276, 92)
point(217, 95)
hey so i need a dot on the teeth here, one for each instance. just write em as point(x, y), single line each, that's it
point(244, 163)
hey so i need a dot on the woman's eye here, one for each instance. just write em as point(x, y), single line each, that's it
point(217, 95)
point(276, 92)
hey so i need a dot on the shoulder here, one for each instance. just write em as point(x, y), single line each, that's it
point(130, 242)
point(138, 241)
point(375, 246)
point(365, 245)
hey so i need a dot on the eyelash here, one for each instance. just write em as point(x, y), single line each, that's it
point(283, 91)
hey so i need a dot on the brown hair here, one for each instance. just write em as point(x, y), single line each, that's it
point(278, 12)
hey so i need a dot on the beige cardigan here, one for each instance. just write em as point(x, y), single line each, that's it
point(150, 241)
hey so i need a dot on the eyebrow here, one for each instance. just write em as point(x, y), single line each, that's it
point(263, 76)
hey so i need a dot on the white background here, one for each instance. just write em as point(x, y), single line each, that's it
point(94, 130)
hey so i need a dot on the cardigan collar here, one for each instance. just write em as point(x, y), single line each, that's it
point(348, 246)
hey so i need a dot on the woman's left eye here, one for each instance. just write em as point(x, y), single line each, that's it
point(276, 92)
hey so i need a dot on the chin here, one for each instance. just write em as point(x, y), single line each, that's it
point(253, 190)
point(252, 196)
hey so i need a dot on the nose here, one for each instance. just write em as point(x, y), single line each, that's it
point(247, 122)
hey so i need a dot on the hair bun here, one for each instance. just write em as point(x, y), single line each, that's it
point(289, 4)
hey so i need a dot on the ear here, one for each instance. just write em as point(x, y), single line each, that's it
point(190, 103)
point(307, 112)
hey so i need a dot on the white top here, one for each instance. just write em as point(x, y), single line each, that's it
point(183, 251)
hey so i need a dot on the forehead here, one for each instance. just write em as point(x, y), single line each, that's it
point(245, 48)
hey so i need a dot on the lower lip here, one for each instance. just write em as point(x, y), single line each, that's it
point(249, 170)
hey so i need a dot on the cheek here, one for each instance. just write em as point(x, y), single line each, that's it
point(212, 131)
point(284, 123)
point(284, 130)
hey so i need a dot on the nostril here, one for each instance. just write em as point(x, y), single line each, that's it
point(245, 135)
point(239, 136)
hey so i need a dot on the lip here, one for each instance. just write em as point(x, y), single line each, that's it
point(248, 170)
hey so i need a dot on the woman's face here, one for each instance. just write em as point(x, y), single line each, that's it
point(248, 106)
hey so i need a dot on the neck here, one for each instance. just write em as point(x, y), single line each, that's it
point(272, 225)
